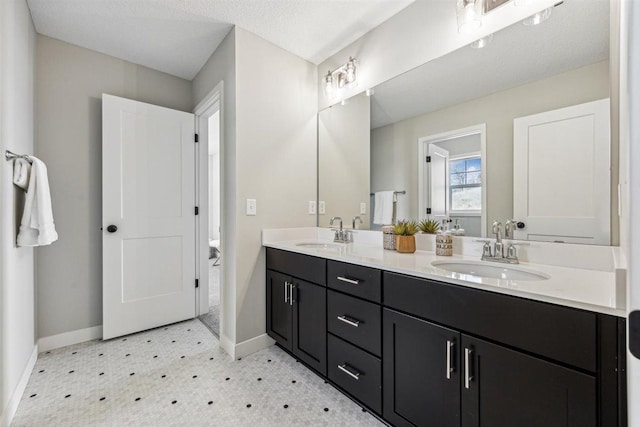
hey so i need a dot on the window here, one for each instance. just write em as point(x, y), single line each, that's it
point(465, 185)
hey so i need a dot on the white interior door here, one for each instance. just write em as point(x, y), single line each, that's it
point(561, 171)
point(438, 181)
point(148, 193)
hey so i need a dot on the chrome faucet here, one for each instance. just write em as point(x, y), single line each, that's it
point(497, 254)
point(510, 228)
point(498, 247)
point(341, 235)
point(355, 218)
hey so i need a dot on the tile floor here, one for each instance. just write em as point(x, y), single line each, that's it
point(178, 376)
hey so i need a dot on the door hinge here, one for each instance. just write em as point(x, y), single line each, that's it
point(428, 159)
point(196, 137)
point(196, 210)
point(428, 211)
point(197, 283)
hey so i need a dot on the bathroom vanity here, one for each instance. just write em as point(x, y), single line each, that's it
point(418, 348)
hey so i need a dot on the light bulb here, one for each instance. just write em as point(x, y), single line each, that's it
point(539, 17)
point(469, 13)
point(350, 72)
point(329, 91)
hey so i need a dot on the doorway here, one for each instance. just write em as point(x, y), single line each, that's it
point(211, 258)
point(452, 179)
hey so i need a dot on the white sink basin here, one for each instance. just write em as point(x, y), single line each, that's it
point(494, 271)
point(320, 245)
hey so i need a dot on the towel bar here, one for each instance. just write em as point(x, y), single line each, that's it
point(9, 155)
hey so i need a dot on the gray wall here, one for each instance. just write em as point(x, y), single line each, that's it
point(399, 140)
point(221, 67)
point(269, 153)
point(69, 84)
point(17, 287)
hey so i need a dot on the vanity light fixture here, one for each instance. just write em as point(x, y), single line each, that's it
point(483, 42)
point(469, 14)
point(344, 76)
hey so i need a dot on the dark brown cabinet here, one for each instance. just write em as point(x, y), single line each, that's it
point(421, 366)
point(297, 308)
point(418, 352)
point(503, 387)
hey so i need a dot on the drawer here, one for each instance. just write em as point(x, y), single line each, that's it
point(355, 371)
point(560, 333)
point(355, 320)
point(303, 267)
point(363, 282)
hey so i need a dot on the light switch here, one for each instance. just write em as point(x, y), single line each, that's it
point(363, 208)
point(251, 207)
point(321, 207)
point(312, 207)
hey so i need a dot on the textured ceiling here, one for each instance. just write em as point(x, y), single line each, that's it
point(178, 36)
point(577, 34)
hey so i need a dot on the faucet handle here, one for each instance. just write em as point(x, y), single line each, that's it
point(486, 248)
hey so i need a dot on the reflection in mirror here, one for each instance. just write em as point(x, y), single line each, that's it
point(343, 158)
point(530, 93)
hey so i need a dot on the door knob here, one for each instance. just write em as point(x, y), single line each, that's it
point(112, 229)
point(520, 225)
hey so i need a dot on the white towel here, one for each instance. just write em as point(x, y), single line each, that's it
point(37, 227)
point(383, 208)
point(21, 173)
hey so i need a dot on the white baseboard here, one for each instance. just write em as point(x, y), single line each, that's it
point(247, 347)
point(12, 406)
point(227, 345)
point(69, 338)
point(252, 345)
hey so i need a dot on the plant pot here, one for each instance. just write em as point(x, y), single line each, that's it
point(406, 244)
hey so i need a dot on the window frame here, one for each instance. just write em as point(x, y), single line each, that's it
point(464, 212)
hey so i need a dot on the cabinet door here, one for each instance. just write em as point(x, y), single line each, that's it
point(279, 308)
point(310, 324)
point(502, 387)
point(421, 372)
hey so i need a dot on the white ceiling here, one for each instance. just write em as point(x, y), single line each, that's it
point(178, 36)
point(577, 34)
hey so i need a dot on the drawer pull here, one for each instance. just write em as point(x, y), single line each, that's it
point(353, 374)
point(468, 375)
point(346, 279)
point(450, 352)
point(286, 292)
point(349, 320)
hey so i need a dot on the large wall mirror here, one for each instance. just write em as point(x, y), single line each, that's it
point(518, 129)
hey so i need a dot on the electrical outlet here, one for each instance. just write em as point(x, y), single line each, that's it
point(312, 207)
point(363, 208)
point(251, 207)
point(321, 209)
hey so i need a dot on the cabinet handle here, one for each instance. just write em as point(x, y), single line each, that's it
point(286, 292)
point(468, 375)
point(346, 279)
point(450, 351)
point(349, 321)
point(355, 375)
point(291, 287)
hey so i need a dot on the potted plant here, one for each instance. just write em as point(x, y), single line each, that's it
point(429, 226)
point(405, 239)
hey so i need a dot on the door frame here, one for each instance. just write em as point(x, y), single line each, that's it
point(423, 142)
point(206, 108)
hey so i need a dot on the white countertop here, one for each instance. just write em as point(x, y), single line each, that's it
point(592, 290)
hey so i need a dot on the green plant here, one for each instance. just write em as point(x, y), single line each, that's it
point(405, 228)
point(429, 226)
